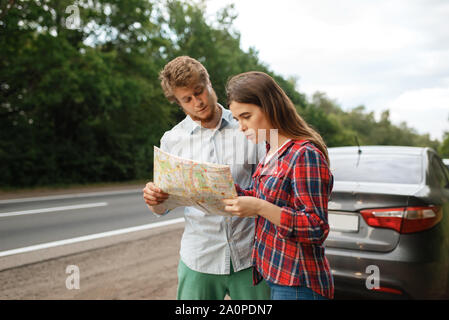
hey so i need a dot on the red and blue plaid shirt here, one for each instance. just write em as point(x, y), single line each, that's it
point(298, 180)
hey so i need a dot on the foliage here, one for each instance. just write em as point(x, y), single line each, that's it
point(84, 104)
point(340, 128)
point(444, 147)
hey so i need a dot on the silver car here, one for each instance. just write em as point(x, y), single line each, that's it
point(389, 223)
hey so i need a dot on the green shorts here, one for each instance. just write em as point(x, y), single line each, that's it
point(193, 285)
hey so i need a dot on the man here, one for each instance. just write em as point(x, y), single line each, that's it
point(215, 250)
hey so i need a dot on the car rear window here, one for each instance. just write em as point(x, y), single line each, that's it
point(384, 168)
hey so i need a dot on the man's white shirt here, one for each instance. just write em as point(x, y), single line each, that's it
point(209, 242)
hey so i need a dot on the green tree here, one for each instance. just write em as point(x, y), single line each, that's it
point(216, 45)
point(340, 128)
point(84, 103)
point(444, 147)
point(79, 105)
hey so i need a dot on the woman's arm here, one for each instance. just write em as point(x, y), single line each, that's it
point(312, 183)
point(311, 186)
point(250, 192)
point(248, 206)
point(270, 211)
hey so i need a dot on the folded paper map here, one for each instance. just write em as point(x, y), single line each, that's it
point(191, 183)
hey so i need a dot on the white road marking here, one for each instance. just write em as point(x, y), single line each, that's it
point(70, 196)
point(90, 237)
point(53, 209)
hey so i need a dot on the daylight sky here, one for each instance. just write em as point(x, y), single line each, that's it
point(383, 54)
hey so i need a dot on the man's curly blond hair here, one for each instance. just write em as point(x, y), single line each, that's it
point(184, 72)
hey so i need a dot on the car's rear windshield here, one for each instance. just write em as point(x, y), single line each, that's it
point(384, 168)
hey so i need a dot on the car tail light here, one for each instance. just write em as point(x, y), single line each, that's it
point(405, 219)
point(388, 290)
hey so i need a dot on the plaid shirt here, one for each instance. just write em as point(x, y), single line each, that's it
point(299, 181)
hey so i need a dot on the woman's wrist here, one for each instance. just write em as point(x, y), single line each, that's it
point(260, 206)
point(269, 211)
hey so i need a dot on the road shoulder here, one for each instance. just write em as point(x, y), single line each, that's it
point(138, 265)
point(48, 191)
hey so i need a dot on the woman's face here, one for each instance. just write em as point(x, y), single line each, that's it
point(252, 121)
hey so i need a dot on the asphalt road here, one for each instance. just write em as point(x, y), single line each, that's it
point(134, 265)
point(27, 222)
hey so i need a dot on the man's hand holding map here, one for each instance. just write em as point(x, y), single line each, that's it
point(191, 183)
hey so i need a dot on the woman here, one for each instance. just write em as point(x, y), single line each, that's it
point(289, 193)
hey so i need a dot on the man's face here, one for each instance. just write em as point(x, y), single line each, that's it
point(198, 101)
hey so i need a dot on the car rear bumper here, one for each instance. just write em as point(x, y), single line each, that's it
point(403, 273)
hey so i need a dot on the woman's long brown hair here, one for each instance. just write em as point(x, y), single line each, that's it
point(260, 89)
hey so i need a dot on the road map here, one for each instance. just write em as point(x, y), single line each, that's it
point(192, 183)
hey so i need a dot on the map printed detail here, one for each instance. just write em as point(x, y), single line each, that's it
point(191, 183)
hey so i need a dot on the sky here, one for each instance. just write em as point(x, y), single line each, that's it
point(383, 54)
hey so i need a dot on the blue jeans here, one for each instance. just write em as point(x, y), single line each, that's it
point(279, 292)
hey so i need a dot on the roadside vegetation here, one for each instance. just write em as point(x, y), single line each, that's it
point(80, 100)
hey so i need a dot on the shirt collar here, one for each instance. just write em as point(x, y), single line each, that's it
point(285, 146)
point(226, 118)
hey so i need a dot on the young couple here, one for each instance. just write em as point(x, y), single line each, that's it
point(280, 253)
